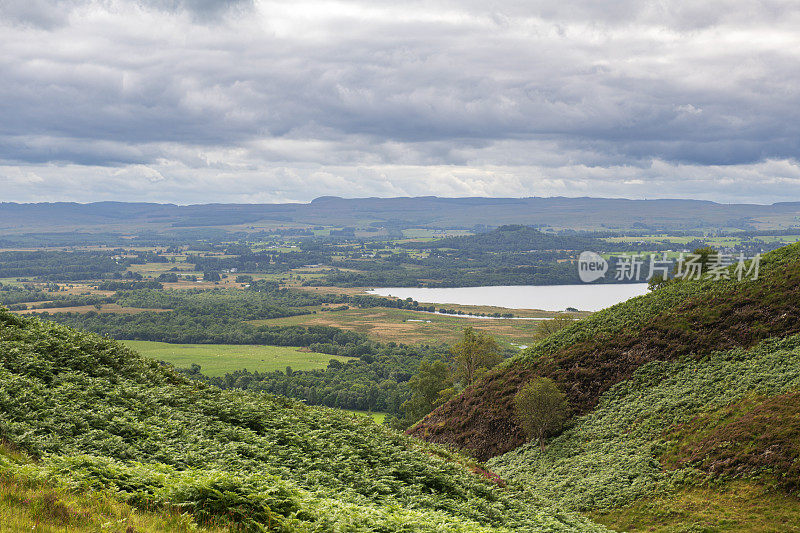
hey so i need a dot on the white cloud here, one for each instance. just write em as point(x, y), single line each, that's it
point(139, 173)
point(191, 101)
point(168, 181)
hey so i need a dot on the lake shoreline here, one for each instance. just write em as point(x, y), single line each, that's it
point(584, 297)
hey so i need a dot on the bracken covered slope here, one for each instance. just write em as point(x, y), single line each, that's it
point(753, 435)
point(728, 415)
point(98, 416)
point(687, 318)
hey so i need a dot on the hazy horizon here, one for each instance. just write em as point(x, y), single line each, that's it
point(305, 202)
point(180, 204)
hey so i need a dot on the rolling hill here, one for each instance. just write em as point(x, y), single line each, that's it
point(95, 421)
point(109, 221)
point(694, 384)
point(514, 238)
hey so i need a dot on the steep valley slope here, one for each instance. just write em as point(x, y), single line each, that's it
point(93, 417)
point(684, 319)
point(690, 389)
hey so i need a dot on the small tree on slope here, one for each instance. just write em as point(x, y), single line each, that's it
point(475, 352)
point(541, 408)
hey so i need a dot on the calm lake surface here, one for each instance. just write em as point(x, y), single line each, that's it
point(546, 297)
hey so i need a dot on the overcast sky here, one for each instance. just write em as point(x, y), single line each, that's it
point(209, 101)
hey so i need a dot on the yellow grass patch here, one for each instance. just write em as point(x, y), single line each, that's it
point(105, 308)
point(409, 327)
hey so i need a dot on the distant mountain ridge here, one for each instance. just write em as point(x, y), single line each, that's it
point(427, 211)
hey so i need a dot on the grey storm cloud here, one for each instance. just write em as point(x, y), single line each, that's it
point(299, 99)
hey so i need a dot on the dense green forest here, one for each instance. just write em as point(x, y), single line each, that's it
point(58, 266)
point(377, 381)
point(186, 329)
point(225, 304)
point(517, 238)
point(33, 297)
point(13, 294)
point(440, 272)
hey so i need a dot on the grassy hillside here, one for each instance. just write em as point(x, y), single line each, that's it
point(97, 418)
point(28, 503)
point(688, 318)
point(711, 441)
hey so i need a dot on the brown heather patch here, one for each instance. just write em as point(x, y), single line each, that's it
point(480, 420)
point(735, 507)
point(754, 436)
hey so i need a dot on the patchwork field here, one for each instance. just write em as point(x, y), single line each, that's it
point(408, 327)
point(717, 242)
point(219, 359)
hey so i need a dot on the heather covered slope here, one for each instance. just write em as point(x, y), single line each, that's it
point(98, 416)
point(683, 319)
point(730, 414)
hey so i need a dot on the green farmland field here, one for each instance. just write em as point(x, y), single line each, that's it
point(218, 359)
point(377, 417)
